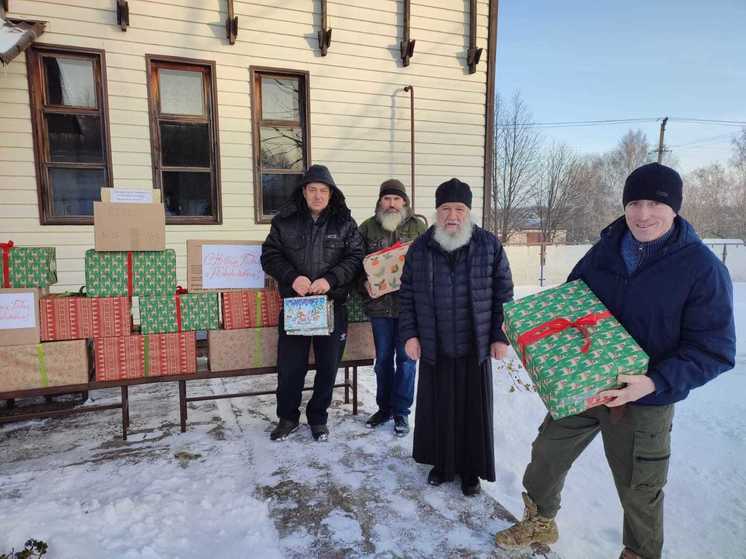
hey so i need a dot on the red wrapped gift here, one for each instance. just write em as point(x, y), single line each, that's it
point(76, 318)
point(140, 356)
point(254, 308)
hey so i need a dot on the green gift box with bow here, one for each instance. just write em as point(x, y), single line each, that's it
point(27, 266)
point(571, 346)
point(141, 273)
point(181, 312)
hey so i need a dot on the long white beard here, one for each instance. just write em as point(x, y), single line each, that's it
point(390, 220)
point(456, 240)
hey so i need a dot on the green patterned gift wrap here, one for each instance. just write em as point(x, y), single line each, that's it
point(113, 274)
point(197, 311)
point(571, 346)
point(27, 266)
point(355, 308)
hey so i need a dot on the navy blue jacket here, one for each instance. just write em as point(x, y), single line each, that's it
point(678, 305)
point(489, 286)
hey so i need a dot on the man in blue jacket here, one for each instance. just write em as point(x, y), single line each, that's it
point(675, 298)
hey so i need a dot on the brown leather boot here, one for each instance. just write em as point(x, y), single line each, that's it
point(534, 528)
point(629, 554)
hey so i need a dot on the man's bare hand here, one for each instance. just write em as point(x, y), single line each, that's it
point(301, 285)
point(413, 349)
point(319, 287)
point(637, 387)
point(498, 350)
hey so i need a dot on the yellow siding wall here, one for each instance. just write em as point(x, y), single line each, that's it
point(359, 112)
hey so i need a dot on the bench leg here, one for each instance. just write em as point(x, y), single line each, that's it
point(347, 385)
point(182, 405)
point(125, 412)
point(354, 390)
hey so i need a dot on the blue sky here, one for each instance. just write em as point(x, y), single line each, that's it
point(578, 60)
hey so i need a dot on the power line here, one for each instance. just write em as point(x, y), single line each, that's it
point(607, 122)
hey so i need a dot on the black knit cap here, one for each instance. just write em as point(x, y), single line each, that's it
point(453, 191)
point(654, 182)
point(393, 187)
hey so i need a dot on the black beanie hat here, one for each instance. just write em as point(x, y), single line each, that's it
point(654, 182)
point(453, 191)
point(393, 187)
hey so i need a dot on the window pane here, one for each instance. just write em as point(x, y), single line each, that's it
point(282, 148)
point(70, 82)
point(75, 138)
point(185, 145)
point(276, 190)
point(181, 92)
point(280, 98)
point(74, 190)
point(186, 193)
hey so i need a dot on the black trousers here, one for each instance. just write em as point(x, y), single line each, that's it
point(292, 366)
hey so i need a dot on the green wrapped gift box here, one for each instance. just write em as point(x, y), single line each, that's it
point(27, 266)
point(571, 346)
point(195, 311)
point(355, 308)
point(113, 274)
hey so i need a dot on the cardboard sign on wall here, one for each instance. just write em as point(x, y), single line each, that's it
point(224, 265)
point(129, 220)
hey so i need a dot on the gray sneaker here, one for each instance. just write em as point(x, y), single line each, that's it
point(283, 429)
point(401, 425)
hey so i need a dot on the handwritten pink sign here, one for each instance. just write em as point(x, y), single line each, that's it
point(17, 311)
point(232, 267)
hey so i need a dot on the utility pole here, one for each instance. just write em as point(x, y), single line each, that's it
point(660, 140)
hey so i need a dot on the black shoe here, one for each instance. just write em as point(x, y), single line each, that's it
point(283, 429)
point(401, 425)
point(378, 418)
point(470, 485)
point(320, 433)
point(435, 477)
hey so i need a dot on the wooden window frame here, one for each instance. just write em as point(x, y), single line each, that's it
point(39, 108)
point(209, 88)
point(255, 74)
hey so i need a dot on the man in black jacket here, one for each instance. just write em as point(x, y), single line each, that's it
point(313, 248)
point(673, 296)
point(456, 278)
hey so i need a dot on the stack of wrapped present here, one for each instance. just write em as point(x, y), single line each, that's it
point(29, 356)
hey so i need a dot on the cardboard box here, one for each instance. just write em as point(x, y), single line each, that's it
point(247, 348)
point(571, 346)
point(125, 220)
point(19, 316)
point(78, 317)
point(136, 356)
point(42, 365)
point(251, 308)
point(224, 265)
point(384, 268)
point(250, 348)
point(195, 311)
point(27, 266)
point(115, 274)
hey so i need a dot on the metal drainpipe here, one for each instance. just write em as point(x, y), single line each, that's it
point(410, 89)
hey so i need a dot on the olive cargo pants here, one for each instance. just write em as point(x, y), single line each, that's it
point(637, 443)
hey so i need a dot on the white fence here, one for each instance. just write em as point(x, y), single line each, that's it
point(525, 262)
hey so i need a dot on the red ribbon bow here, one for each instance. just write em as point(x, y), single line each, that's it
point(557, 325)
point(179, 291)
point(6, 262)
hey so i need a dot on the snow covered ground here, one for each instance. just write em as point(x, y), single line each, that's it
point(223, 490)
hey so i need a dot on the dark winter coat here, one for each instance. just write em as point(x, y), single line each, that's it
point(376, 238)
point(489, 286)
point(330, 247)
point(678, 305)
